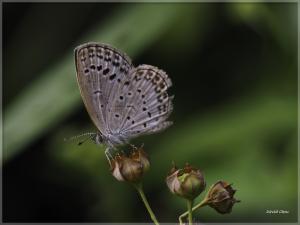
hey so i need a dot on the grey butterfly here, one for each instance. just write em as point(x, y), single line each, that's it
point(123, 101)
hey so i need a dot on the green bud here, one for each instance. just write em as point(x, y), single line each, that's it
point(187, 182)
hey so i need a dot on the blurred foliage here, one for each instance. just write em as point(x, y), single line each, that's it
point(234, 70)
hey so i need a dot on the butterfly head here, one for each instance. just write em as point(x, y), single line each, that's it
point(98, 138)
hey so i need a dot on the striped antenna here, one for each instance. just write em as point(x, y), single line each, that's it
point(89, 134)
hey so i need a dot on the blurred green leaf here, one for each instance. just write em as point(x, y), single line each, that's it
point(270, 16)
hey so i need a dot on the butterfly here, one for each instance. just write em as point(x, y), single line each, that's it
point(123, 101)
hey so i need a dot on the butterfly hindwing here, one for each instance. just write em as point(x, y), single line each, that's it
point(147, 103)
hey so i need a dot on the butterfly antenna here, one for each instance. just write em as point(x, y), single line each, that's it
point(89, 134)
point(81, 142)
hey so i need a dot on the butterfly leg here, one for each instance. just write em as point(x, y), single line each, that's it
point(108, 155)
point(133, 147)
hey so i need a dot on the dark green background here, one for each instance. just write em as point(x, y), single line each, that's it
point(234, 70)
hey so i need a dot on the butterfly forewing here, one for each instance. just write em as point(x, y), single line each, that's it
point(100, 70)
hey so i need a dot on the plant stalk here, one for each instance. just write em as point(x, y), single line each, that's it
point(190, 211)
point(140, 190)
point(201, 204)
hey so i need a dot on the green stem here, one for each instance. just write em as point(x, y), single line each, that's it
point(140, 190)
point(201, 204)
point(190, 211)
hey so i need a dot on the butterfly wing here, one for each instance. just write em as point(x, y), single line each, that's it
point(141, 104)
point(99, 68)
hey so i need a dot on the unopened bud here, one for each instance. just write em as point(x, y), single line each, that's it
point(220, 197)
point(187, 182)
point(130, 168)
point(141, 156)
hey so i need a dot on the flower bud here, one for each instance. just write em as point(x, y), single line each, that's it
point(130, 168)
point(220, 197)
point(141, 156)
point(187, 182)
